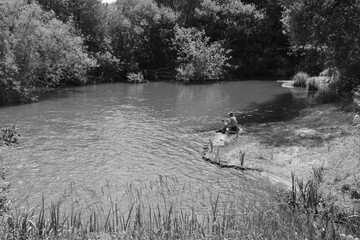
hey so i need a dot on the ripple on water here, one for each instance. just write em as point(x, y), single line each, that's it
point(118, 134)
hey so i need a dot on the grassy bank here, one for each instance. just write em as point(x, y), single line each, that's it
point(323, 137)
point(296, 214)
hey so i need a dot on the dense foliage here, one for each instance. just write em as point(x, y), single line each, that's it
point(249, 32)
point(44, 44)
point(329, 32)
point(37, 50)
point(198, 58)
point(141, 32)
point(8, 136)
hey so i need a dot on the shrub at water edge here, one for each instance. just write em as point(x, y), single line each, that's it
point(316, 83)
point(136, 78)
point(39, 51)
point(300, 79)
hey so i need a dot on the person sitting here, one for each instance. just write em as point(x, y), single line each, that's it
point(230, 124)
point(225, 128)
point(233, 127)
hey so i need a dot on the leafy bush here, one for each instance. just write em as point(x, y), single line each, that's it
point(39, 51)
point(316, 83)
point(198, 59)
point(300, 79)
point(185, 72)
point(109, 66)
point(8, 136)
point(136, 78)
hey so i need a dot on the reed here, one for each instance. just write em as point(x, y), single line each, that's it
point(211, 145)
point(318, 173)
point(225, 219)
point(242, 157)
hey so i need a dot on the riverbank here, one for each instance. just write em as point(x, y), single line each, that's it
point(322, 138)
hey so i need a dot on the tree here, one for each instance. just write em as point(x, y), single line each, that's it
point(61, 8)
point(198, 58)
point(141, 32)
point(186, 9)
point(89, 17)
point(332, 29)
point(240, 25)
point(39, 51)
point(276, 45)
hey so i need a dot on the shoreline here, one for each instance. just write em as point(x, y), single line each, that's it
point(322, 138)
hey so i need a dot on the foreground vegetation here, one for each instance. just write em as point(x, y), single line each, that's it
point(297, 214)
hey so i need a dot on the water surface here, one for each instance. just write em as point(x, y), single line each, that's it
point(119, 134)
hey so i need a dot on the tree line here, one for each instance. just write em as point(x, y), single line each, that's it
point(49, 43)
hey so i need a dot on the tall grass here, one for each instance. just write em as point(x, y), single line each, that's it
point(327, 222)
point(312, 84)
point(242, 157)
point(324, 93)
point(317, 83)
point(144, 222)
point(300, 79)
point(296, 215)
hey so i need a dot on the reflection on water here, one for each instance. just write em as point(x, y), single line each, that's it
point(117, 134)
point(280, 108)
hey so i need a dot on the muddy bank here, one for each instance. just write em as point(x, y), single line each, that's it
point(322, 137)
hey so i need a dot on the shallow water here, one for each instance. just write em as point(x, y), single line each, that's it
point(114, 135)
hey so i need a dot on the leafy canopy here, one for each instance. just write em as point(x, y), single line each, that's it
point(198, 58)
point(39, 50)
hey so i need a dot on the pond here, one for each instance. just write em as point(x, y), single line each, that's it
point(82, 140)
